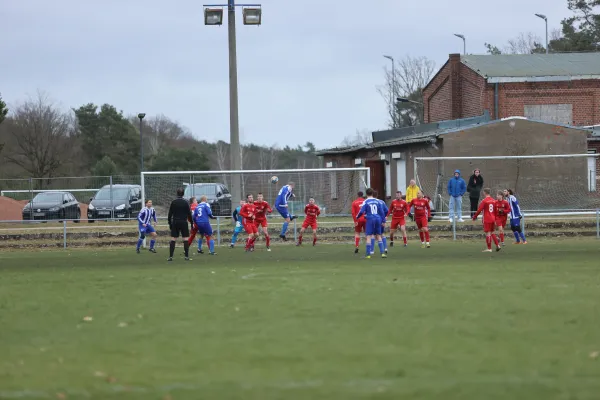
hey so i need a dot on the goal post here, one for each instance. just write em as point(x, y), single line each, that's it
point(333, 189)
point(544, 184)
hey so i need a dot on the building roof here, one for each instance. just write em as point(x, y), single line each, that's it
point(505, 68)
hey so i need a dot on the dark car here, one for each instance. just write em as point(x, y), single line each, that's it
point(52, 205)
point(217, 195)
point(115, 201)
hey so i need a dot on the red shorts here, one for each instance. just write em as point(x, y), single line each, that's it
point(250, 228)
point(359, 226)
point(307, 223)
point(260, 222)
point(489, 227)
point(501, 221)
point(421, 222)
point(396, 222)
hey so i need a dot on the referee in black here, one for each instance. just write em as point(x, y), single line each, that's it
point(179, 216)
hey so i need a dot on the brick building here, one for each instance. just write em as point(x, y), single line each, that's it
point(391, 159)
point(556, 88)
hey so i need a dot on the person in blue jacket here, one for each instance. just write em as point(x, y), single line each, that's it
point(456, 189)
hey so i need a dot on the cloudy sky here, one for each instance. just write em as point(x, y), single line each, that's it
point(309, 73)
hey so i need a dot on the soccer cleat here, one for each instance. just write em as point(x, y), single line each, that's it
point(405, 244)
point(137, 251)
point(498, 248)
point(231, 245)
point(502, 244)
point(283, 238)
point(200, 251)
point(268, 249)
point(251, 249)
point(152, 251)
point(487, 251)
point(517, 243)
point(298, 244)
point(385, 251)
point(428, 245)
point(187, 259)
point(422, 245)
point(212, 253)
point(170, 259)
point(356, 250)
point(384, 255)
point(391, 243)
point(367, 257)
point(293, 217)
point(525, 242)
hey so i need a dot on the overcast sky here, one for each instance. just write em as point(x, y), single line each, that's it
point(309, 73)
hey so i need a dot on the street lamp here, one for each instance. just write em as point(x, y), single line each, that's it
point(393, 91)
point(141, 117)
point(252, 15)
point(458, 35)
point(542, 16)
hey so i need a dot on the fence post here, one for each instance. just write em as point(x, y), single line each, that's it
point(295, 227)
point(523, 225)
point(597, 223)
point(112, 205)
point(64, 234)
point(31, 195)
point(454, 227)
point(218, 231)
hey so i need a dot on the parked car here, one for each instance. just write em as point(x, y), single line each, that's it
point(52, 205)
point(115, 201)
point(217, 195)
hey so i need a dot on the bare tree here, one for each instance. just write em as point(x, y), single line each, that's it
point(361, 137)
point(41, 133)
point(408, 79)
point(267, 157)
point(524, 43)
point(160, 131)
point(222, 154)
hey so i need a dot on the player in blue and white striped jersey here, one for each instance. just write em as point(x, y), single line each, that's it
point(373, 209)
point(145, 218)
point(515, 217)
point(281, 205)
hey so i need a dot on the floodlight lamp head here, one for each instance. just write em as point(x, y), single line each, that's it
point(213, 16)
point(542, 16)
point(141, 115)
point(460, 36)
point(252, 16)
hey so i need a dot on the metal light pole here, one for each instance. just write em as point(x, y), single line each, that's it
point(458, 35)
point(393, 92)
point(252, 16)
point(542, 16)
point(141, 117)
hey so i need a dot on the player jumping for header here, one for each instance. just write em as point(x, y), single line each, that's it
point(488, 206)
point(373, 210)
point(281, 204)
point(201, 217)
point(312, 211)
point(260, 217)
point(145, 218)
point(422, 212)
point(398, 210)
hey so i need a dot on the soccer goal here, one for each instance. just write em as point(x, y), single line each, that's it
point(333, 189)
point(544, 184)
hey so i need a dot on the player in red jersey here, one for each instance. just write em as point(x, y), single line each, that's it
point(359, 224)
point(502, 211)
point(260, 217)
point(248, 211)
point(312, 211)
point(488, 206)
point(398, 210)
point(422, 211)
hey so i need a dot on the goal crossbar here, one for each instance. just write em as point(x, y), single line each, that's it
point(253, 171)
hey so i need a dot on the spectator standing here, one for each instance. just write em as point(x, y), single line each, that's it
point(456, 189)
point(411, 193)
point(474, 188)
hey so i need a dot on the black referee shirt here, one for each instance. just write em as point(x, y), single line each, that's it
point(179, 211)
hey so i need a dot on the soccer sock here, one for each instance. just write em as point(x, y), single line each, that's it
point(268, 239)
point(234, 238)
point(488, 241)
point(300, 239)
point(373, 244)
point(391, 236)
point(211, 245)
point(522, 235)
point(422, 236)
point(152, 242)
point(495, 239)
point(171, 248)
point(356, 241)
point(502, 237)
point(404, 238)
point(517, 239)
point(200, 244)
point(427, 236)
point(139, 243)
point(368, 252)
point(186, 248)
point(252, 240)
point(284, 227)
point(381, 248)
point(384, 240)
point(314, 240)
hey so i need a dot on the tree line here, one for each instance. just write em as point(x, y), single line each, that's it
point(39, 139)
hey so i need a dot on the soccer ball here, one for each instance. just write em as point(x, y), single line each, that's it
point(274, 179)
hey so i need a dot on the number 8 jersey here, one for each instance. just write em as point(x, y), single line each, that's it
point(488, 206)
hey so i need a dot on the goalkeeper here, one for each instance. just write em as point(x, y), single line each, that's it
point(237, 220)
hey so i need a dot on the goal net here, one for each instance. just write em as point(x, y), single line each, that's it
point(544, 184)
point(333, 189)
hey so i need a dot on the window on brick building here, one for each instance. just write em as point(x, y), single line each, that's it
point(551, 113)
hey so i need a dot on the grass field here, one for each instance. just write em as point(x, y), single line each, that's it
point(303, 323)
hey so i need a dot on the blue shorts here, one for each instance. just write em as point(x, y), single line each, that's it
point(147, 229)
point(204, 229)
point(515, 222)
point(373, 226)
point(283, 211)
point(239, 228)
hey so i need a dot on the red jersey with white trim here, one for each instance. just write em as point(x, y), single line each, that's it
point(312, 211)
point(261, 208)
point(356, 206)
point(488, 207)
point(398, 209)
point(502, 208)
point(421, 206)
point(248, 211)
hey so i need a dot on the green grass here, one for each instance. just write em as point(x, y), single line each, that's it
point(303, 323)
